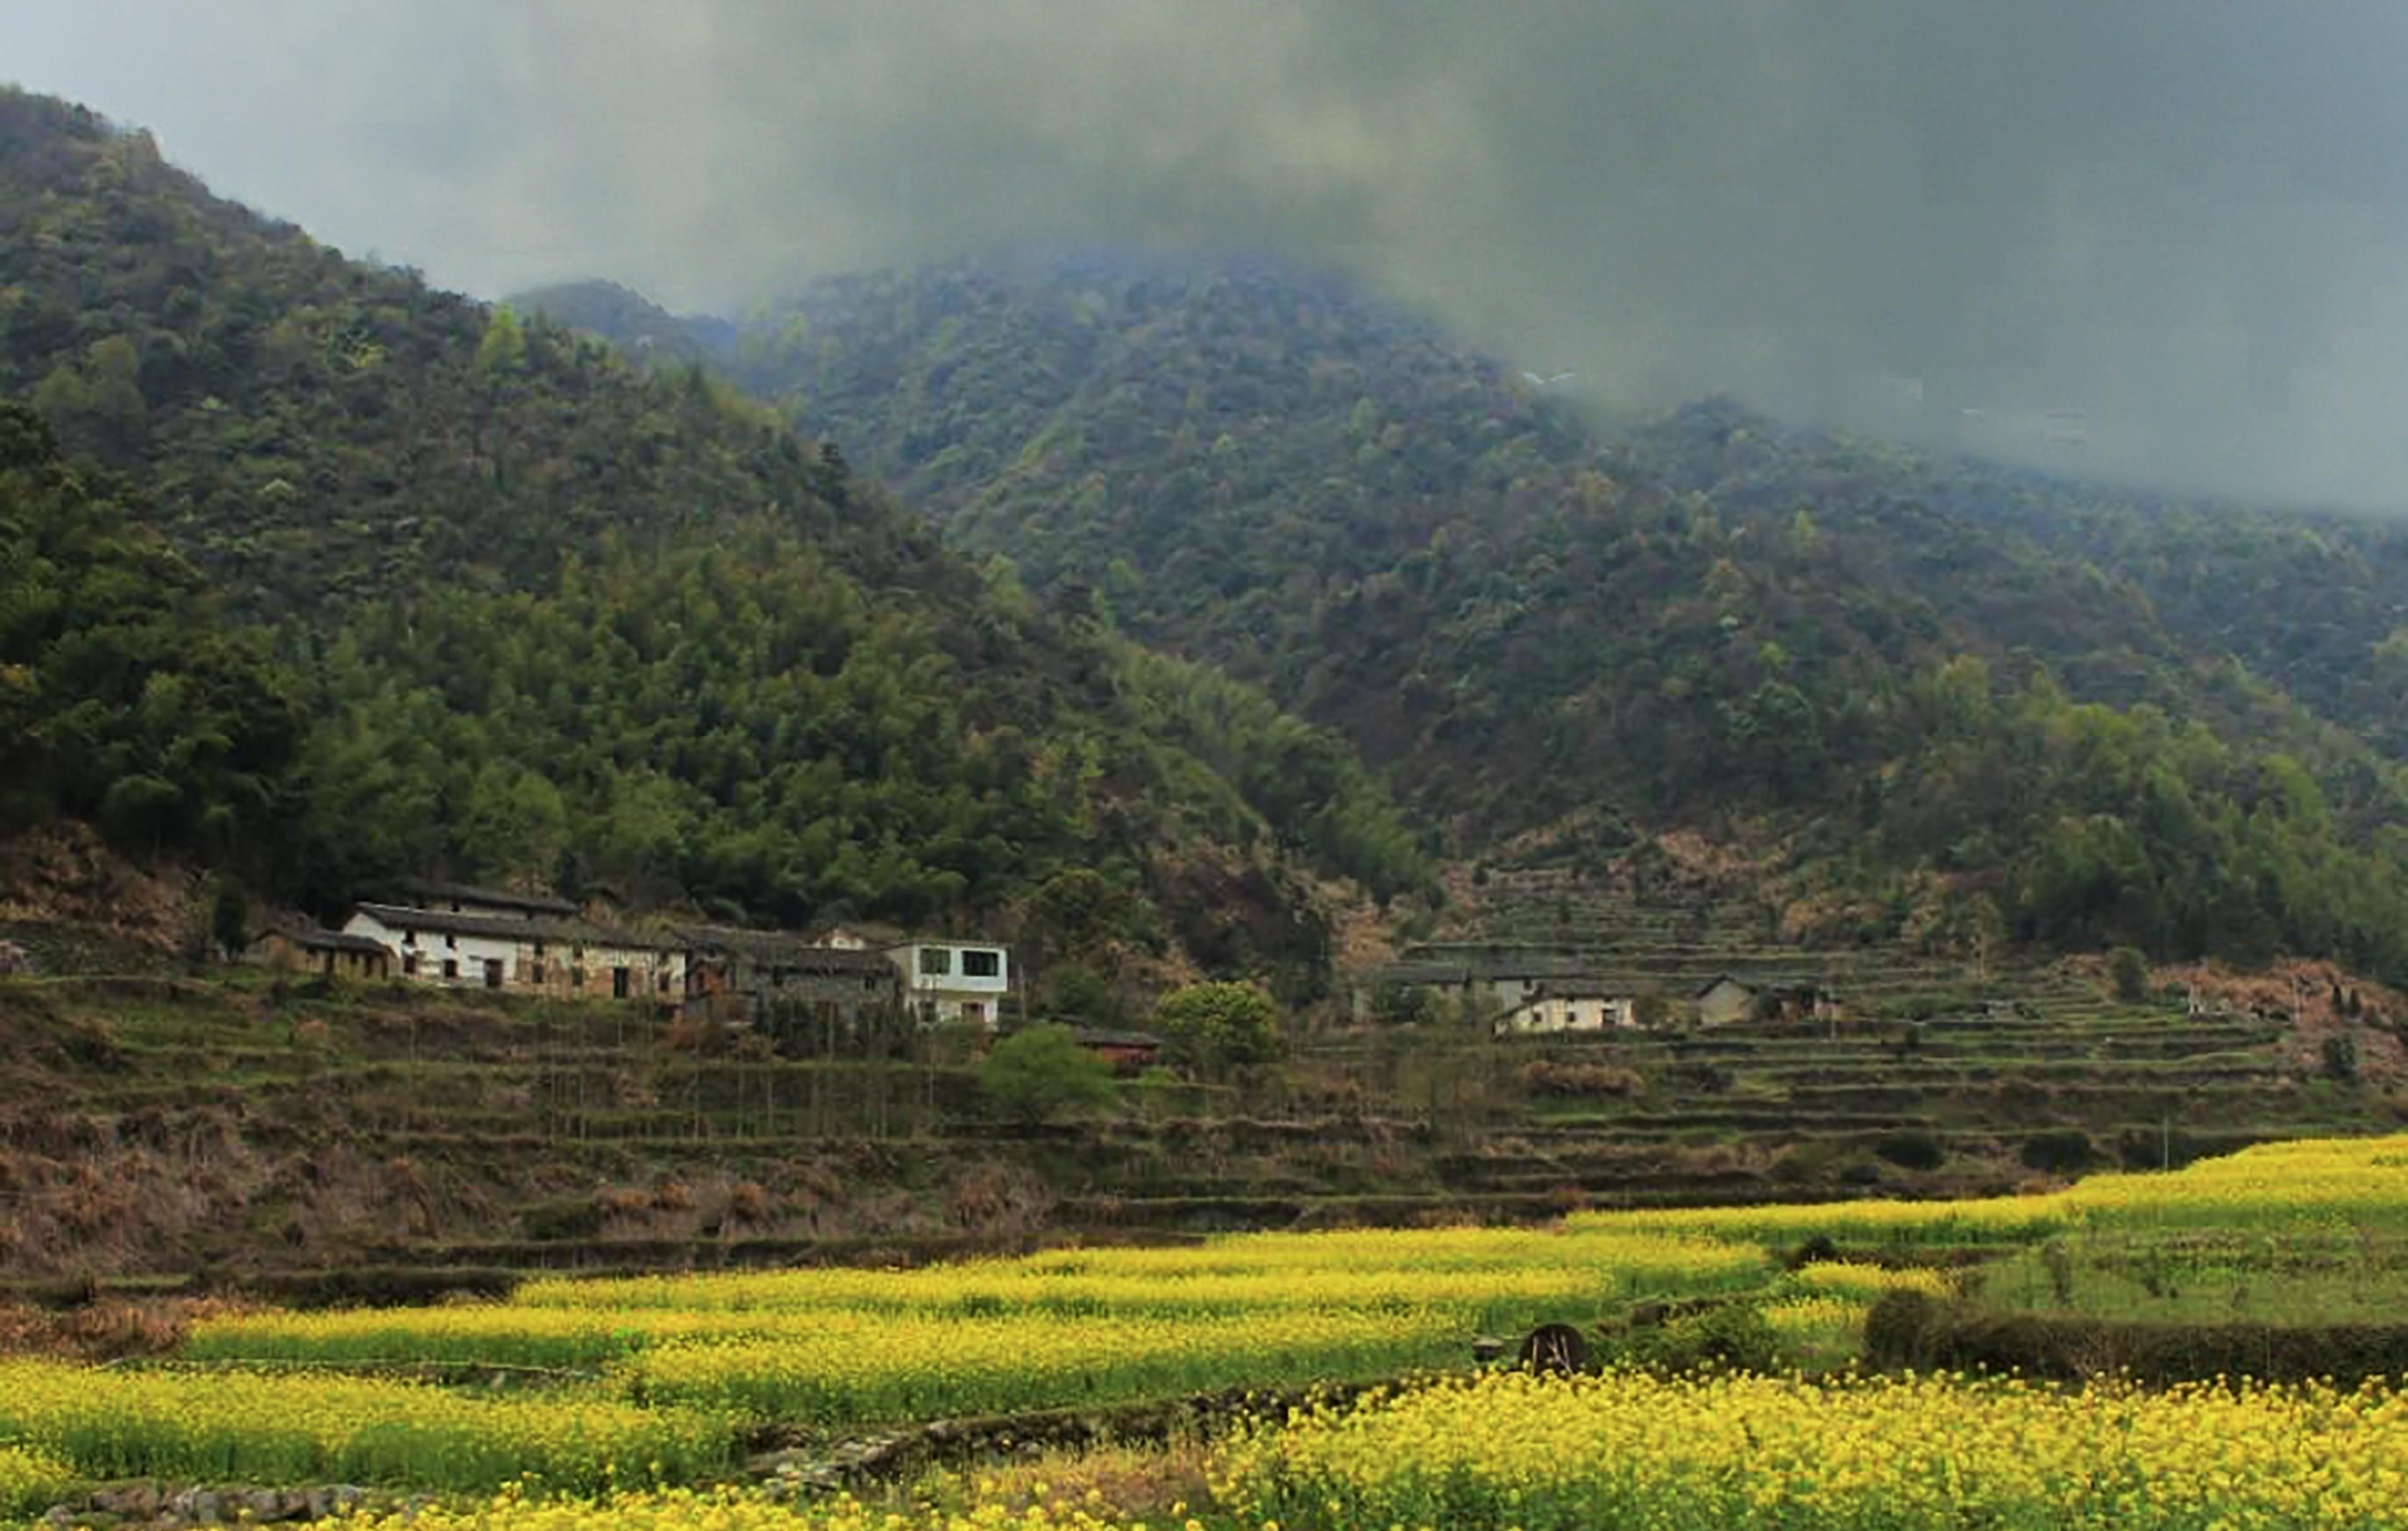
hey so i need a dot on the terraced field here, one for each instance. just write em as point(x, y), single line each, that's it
point(381, 1134)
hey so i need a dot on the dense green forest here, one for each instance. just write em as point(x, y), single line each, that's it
point(1937, 699)
point(314, 573)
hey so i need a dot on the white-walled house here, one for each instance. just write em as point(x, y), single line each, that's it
point(523, 953)
point(954, 980)
point(1570, 1009)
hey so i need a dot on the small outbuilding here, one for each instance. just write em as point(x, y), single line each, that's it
point(329, 953)
point(1725, 1000)
point(1127, 1052)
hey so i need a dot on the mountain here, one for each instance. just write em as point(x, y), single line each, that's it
point(1929, 699)
point(456, 593)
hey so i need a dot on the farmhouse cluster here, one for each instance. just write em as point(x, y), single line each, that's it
point(1509, 987)
point(458, 936)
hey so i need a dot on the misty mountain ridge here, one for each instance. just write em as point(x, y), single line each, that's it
point(1925, 694)
point(361, 578)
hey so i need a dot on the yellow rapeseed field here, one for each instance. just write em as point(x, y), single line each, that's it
point(233, 1426)
point(849, 1366)
point(1354, 1268)
point(729, 1510)
point(677, 1363)
point(1625, 1449)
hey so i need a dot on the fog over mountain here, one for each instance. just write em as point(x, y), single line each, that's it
point(2161, 240)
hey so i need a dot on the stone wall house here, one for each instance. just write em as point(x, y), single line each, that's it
point(805, 995)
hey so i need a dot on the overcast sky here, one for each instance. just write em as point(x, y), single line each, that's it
point(2179, 227)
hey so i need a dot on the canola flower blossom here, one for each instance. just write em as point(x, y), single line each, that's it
point(1815, 1318)
point(1625, 1449)
point(31, 1480)
point(1866, 1282)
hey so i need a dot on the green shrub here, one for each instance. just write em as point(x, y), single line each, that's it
point(1731, 1336)
point(2129, 971)
point(1042, 1073)
point(2064, 1151)
point(1913, 1150)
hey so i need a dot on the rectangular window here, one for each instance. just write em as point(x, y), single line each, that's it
point(664, 980)
point(492, 972)
point(450, 967)
point(981, 963)
point(577, 977)
point(619, 983)
point(450, 943)
point(935, 962)
point(410, 964)
point(535, 971)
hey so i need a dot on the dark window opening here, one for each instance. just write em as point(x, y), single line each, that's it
point(981, 963)
point(618, 983)
point(450, 967)
point(492, 972)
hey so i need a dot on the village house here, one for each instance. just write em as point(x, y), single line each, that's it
point(1725, 1000)
point(967, 982)
point(524, 953)
point(1477, 977)
point(1571, 1007)
point(327, 954)
point(1728, 999)
point(794, 990)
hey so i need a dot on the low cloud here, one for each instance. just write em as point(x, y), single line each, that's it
point(2157, 240)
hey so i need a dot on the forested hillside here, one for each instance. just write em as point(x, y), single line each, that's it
point(316, 573)
point(1933, 699)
